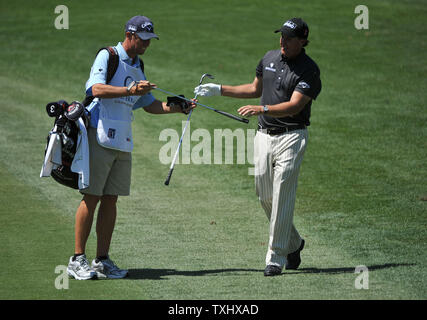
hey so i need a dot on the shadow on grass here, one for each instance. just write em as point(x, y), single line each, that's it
point(159, 274)
point(348, 269)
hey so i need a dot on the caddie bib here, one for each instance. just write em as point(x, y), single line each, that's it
point(115, 115)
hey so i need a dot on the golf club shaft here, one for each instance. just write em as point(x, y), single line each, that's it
point(168, 178)
point(205, 106)
point(177, 150)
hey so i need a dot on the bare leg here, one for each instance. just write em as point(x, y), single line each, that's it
point(84, 219)
point(105, 223)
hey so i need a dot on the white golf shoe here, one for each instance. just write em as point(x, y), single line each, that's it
point(79, 268)
point(107, 269)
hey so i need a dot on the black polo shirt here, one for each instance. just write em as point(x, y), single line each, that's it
point(280, 77)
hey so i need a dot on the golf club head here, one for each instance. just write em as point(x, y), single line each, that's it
point(206, 75)
point(201, 80)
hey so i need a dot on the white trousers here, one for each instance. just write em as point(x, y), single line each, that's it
point(277, 161)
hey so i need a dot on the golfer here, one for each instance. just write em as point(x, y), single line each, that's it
point(110, 145)
point(287, 80)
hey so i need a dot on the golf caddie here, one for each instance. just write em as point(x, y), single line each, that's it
point(111, 143)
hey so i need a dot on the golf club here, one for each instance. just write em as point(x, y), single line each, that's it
point(183, 132)
point(205, 106)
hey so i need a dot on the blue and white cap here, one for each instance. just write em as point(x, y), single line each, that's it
point(142, 26)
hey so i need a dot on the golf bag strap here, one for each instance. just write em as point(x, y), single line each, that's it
point(141, 64)
point(113, 62)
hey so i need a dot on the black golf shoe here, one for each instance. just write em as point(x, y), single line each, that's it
point(293, 260)
point(271, 270)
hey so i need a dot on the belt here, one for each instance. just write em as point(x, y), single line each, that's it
point(280, 130)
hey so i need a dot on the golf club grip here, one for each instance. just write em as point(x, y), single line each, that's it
point(232, 116)
point(169, 177)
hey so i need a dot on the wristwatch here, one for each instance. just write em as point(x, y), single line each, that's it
point(265, 109)
point(130, 86)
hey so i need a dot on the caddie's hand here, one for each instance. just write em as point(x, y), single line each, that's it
point(190, 106)
point(141, 87)
point(208, 90)
point(250, 110)
point(187, 106)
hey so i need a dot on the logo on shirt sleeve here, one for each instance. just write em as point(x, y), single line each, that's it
point(97, 72)
point(304, 85)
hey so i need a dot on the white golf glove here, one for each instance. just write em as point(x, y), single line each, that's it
point(208, 90)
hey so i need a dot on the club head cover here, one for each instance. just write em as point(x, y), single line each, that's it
point(74, 111)
point(57, 108)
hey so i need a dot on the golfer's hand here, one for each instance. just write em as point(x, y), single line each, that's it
point(141, 87)
point(250, 110)
point(208, 90)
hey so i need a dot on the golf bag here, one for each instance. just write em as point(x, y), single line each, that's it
point(65, 130)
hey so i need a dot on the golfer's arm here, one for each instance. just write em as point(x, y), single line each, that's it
point(159, 107)
point(250, 90)
point(289, 108)
point(107, 91)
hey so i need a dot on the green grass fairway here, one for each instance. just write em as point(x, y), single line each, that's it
point(204, 237)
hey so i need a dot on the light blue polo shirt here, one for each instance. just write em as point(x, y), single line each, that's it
point(98, 74)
